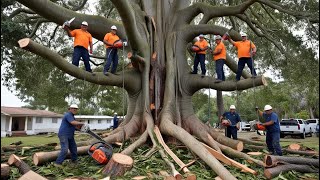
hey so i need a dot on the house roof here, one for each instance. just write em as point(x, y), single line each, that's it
point(19, 111)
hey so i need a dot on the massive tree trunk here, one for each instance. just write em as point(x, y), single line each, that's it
point(157, 32)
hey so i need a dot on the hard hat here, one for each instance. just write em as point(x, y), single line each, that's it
point(218, 37)
point(201, 35)
point(84, 23)
point(267, 107)
point(74, 106)
point(232, 107)
point(115, 113)
point(243, 34)
point(114, 27)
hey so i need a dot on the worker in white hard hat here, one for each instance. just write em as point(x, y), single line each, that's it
point(66, 136)
point(246, 50)
point(272, 125)
point(111, 51)
point(200, 56)
point(219, 56)
point(115, 121)
point(82, 40)
point(234, 118)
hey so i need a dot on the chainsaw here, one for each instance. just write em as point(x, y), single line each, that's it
point(68, 23)
point(100, 151)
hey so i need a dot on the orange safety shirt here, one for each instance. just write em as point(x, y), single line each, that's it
point(81, 38)
point(201, 44)
point(223, 53)
point(110, 38)
point(244, 48)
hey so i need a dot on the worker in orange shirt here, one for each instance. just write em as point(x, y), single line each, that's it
point(219, 56)
point(112, 52)
point(246, 49)
point(200, 56)
point(82, 39)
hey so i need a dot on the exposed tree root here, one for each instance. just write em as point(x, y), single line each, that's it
point(167, 127)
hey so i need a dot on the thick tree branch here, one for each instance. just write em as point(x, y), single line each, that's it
point(297, 14)
point(98, 26)
point(195, 82)
point(20, 10)
point(188, 14)
point(132, 79)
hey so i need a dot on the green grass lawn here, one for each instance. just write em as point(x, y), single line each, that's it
point(30, 140)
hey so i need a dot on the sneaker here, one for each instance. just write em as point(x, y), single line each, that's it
point(57, 165)
point(217, 81)
point(202, 75)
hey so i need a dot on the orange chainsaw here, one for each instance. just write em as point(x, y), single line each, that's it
point(259, 126)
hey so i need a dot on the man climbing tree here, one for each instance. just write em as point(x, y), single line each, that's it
point(161, 31)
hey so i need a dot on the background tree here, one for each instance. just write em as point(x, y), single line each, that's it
point(160, 31)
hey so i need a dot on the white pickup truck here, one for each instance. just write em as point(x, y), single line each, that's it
point(295, 127)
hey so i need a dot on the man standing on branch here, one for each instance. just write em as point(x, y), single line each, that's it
point(219, 56)
point(200, 56)
point(66, 136)
point(246, 49)
point(82, 39)
point(234, 120)
point(112, 52)
point(272, 125)
point(115, 121)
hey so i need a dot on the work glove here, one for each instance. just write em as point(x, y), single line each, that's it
point(85, 128)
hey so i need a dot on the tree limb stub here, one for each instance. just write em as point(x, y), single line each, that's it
point(115, 80)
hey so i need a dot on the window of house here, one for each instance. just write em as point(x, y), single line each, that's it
point(99, 121)
point(109, 121)
point(38, 119)
point(54, 120)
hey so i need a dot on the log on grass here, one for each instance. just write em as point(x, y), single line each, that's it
point(307, 153)
point(271, 160)
point(248, 141)
point(20, 164)
point(5, 171)
point(275, 171)
point(31, 175)
point(10, 148)
point(254, 147)
point(118, 165)
point(16, 143)
point(40, 158)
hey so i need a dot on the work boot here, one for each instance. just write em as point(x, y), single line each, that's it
point(202, 75)
point(217, 81)
point(57, 165)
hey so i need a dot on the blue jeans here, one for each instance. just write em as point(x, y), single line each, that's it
point(111, 57)
point(199, 58)
point(219, 69)
point(78, 52)
point(67, 142)
point(232, 131)
point(273, 143)
point(241, 63)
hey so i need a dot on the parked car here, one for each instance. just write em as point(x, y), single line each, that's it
point(245, 126)
point(313, 124)
point(317, 130)
point(294, 127)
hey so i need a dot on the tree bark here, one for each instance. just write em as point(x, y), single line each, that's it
point(250, 142)
point(118, 165)
point(275, 171)
point(21, 165)
point(5, 171)
point(272, 161)
point(307, 153)
point(40, 158)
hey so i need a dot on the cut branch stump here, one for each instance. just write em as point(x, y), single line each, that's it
point(272, 161)
point(40, 158)
point(21, 165)
point(118, 165)
point(294, 147)
point(5, 171)
point(31, 175)
point(275, 171)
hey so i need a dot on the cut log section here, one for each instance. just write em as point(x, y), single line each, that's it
point(118, 165)
point(10, 148)
point(271, 160)
point(228, 161)
point(294, 147)
point(16, 143)
point(183, 166)
point(250, 142)
point(21, 165)
point(40, 158)
point(254, 147)
point(307, 153)
point(5, 171)
point(254, 153)
point(275, 171)
point(31, 175)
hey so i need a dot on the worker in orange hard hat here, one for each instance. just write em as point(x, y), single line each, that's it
point(272, 125)
point(112, 51)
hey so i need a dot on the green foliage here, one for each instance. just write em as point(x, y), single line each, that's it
point(303, 114)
